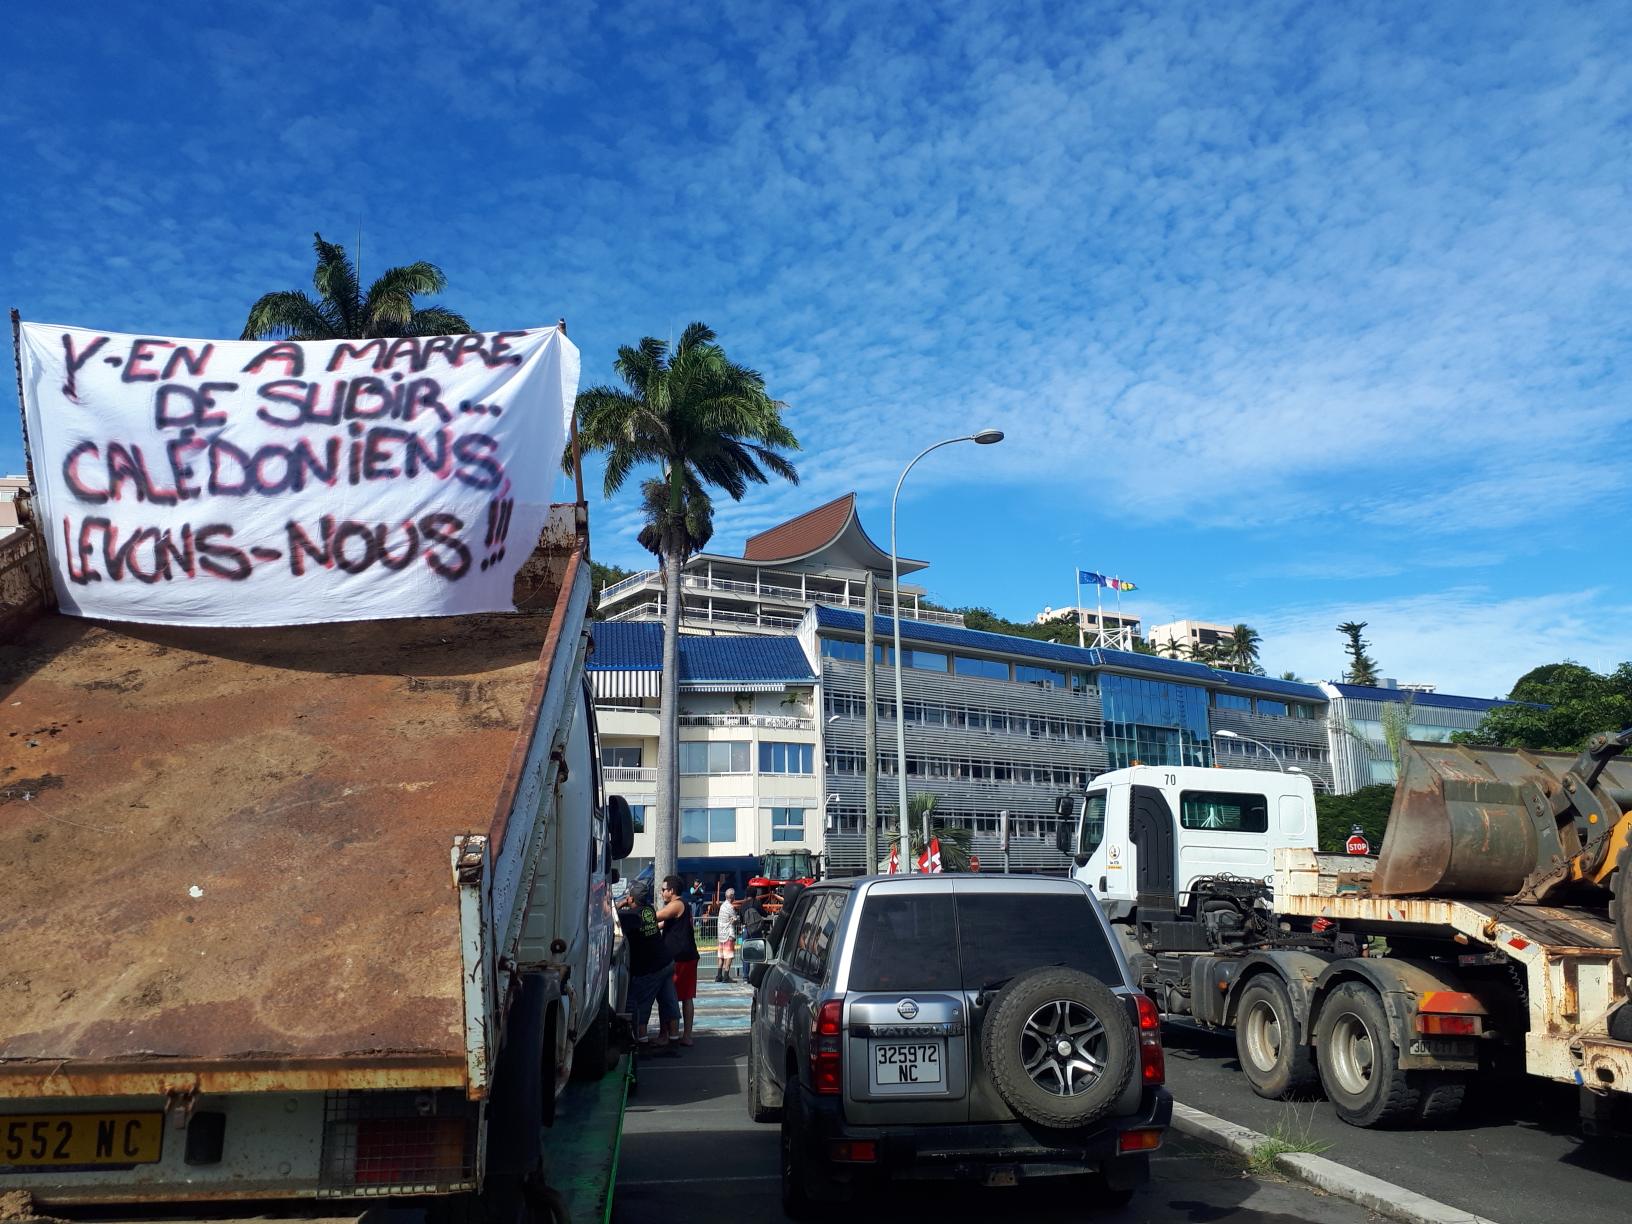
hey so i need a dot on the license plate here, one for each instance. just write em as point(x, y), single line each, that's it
point(904, 1065)
point(41, 1140)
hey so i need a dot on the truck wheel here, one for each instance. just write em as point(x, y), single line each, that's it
point(1442, 1097)
point(589, 1057)
point(758, 1111)
point(1620, 906)
point(1060, 1047)
point(1275, 1062)
point(1359, 1066)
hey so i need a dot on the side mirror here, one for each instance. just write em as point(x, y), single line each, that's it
point(1063, 835)
point(612, 876)
point(620, 828)
point(755, 952)
point(1064, 806)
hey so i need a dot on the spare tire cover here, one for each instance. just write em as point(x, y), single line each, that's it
point(1059, 1047)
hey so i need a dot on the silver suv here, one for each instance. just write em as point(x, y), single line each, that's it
point(952, 1026)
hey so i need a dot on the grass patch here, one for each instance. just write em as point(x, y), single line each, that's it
point(1293, 1133)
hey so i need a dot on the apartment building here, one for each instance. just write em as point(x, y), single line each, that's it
point(823, 555)
point(997, 723)
point(750, 782)
point(1195, 634)
point(1092, 620)
point(1357, 743)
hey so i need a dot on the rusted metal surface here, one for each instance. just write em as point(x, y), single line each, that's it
point(1471, 821)
point(227, 850)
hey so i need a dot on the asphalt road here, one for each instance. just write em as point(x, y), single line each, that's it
point(690, 1154)
point(1514, 1156)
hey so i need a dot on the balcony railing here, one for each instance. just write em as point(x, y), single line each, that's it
point(749, 590)
point(626, 773)
point(652, 611)
point(779, 722)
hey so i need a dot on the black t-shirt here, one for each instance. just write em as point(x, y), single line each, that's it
point(679, 937)
point(646, 951)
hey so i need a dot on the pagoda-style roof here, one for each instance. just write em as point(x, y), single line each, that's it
point(830, 528)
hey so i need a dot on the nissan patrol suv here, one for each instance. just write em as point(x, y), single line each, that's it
point(952, 1026)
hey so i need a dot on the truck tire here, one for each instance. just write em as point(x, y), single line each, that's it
point(1442, 1096)
point(1060, 1047)
point(758, 1111)
point(1275, 1062)
point(591, 1055)
point(1359, 1065)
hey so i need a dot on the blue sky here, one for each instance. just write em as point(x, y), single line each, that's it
point(1293, 313)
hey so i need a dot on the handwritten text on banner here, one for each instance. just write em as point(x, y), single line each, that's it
point(214, 482)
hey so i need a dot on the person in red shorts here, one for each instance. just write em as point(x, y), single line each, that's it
point(680, 938)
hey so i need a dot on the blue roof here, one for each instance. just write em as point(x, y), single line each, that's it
point(638, 646)
point(1447, 701)
point(1074, 656)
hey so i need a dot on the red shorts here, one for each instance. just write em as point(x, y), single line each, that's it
point(685, 980)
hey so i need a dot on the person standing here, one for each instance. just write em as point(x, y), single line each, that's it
point(651, 976)
point(695, 898)
point(679, 937)
point(727, 936)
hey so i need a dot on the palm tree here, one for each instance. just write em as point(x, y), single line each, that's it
point(707, 422)
point(957, 840)
point(1242, 647)
point(341, 311)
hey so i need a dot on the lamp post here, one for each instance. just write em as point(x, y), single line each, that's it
point(985, 437)
point(1250, 740)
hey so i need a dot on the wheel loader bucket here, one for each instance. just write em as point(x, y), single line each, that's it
point(1459, 826)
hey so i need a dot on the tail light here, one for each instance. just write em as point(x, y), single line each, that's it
point(1449, 1026)
point(1152, 1062)
point(398, 1143)
point(826, 1040)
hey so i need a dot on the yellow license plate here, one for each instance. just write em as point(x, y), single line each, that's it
point(35, 1140)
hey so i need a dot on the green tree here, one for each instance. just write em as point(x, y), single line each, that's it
point(601, 577)
point(1241, 649)
point(342, 311)
point(1362, 667)
point(1368, 807)
point(1562, 704)
point(707, 423)
point(957, 840)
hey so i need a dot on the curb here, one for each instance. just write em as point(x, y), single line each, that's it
point(1373, 1193)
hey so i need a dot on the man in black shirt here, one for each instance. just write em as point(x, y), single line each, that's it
point(651, 967)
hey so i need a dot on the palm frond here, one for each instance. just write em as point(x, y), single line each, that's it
point(435, 321)
point(289, 315)
point(335, 280)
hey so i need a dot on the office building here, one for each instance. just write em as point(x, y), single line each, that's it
point(1193, 634)
point(822, 555)
point(998, 723)
point(1357, 743)
point(750, 782)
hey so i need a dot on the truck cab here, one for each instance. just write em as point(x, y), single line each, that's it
point(1143, 837)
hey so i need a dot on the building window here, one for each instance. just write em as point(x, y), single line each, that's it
point(1047, 677)
point(1154, 722)
point(1223, 812)
point(1232, 701)
point(1276, 708)
point(703, 825)
point(924, 660)
point(637, 812)
point(787, 824)
point(987, 669)
point(776, 757)
point(854, 652)
point(714, 757)
point(620, 756)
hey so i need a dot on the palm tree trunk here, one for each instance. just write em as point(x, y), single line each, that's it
point(666, 819)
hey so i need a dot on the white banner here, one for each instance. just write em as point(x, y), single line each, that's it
point(235, 482)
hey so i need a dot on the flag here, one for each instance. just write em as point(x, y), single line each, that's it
point(895, 860)
point(1117, 584)
point(1089, 578)
point(929, 862)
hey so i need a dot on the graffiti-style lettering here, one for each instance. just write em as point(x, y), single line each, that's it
point(286, 351)
point(477, 466)
point(140, 351)
point(445, 529)
point(374, 351)
point(74, 361)
point(198, 404)
point(70, 473)
point(195, 363)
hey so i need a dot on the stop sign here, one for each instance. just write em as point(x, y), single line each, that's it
point(974, 862)
point(1357, 844)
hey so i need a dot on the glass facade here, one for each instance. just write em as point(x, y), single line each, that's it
point(714, 757)
point(1232, 701)
point(988, 669)
point(777, 757)
point(787, 824)
point(1049, 677)
point(701, 825)
point(1154, 722)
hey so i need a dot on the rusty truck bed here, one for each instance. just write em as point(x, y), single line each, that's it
point(230, 849)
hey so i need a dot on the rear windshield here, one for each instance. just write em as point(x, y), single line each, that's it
point(909, 942)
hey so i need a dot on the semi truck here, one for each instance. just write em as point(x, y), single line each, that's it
point(1483, 936)
point(315, 914)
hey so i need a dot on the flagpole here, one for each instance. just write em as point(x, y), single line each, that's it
point(1119, 610)
point(1076, 608)
point(1099, 612)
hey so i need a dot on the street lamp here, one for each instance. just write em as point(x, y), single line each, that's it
point(1250, 740)
point(986, 437)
